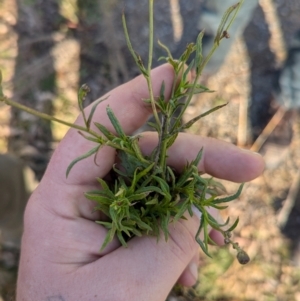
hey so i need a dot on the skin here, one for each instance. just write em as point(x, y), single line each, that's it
point(60, 257)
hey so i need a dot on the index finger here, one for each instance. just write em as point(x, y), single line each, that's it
point(126, 101)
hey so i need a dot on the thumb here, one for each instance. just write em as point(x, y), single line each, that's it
point(154, 266)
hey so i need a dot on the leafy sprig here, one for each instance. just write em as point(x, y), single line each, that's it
point(144, 194)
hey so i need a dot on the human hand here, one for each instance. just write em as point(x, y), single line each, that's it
point(60, 258)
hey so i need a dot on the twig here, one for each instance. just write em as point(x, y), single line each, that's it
point(289, 202)
point(243, 122)
point(268, 129)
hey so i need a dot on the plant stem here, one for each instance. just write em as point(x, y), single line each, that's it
point(150, 57)
point(46, 116)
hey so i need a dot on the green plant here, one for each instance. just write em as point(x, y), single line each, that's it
point(146, 195)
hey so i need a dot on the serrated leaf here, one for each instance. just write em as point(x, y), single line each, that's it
point(84, 156)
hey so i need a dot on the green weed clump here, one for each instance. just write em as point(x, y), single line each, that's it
point(145, 195)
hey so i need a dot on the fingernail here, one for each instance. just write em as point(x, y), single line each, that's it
point(193, 269)
point(197, 212)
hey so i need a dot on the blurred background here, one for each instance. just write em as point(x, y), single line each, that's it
point(48, 48)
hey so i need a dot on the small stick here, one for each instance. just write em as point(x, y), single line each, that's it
point(268, 129)
point(289, 202)
point(243, 122)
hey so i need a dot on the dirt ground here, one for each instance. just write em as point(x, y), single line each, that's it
point(269, 208)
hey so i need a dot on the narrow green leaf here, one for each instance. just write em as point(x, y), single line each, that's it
point(93, 109)
point(109, 135)
point(231, 197)
point(86, 155)
point(91, 138)
point(218, 207)
point(81, 96)
point(136, 57)
point(107, 225)
point(162, 91)
point(103, 184)
point(121, 239)
point(103, 208)
point(165, 220)
point(145, 171)
point(98, 198)
point(143, 226)
point(154, 201)
point(119, 172)
point(154, 125)
point(198, 57)
point(136, 232)
point(137, 176)
point(150, 189)
point(202, 246)
point(226, 21)
point(138, 196)
point(198, 158)
point(117, 126)
point(163, 184)
point(181, 211)
point(172, 139)
point(171, 176)
point(136, 148)
point(187, 71)
point(166, 48)
point(234, 225)
point(108, 238)
point(195, 119)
